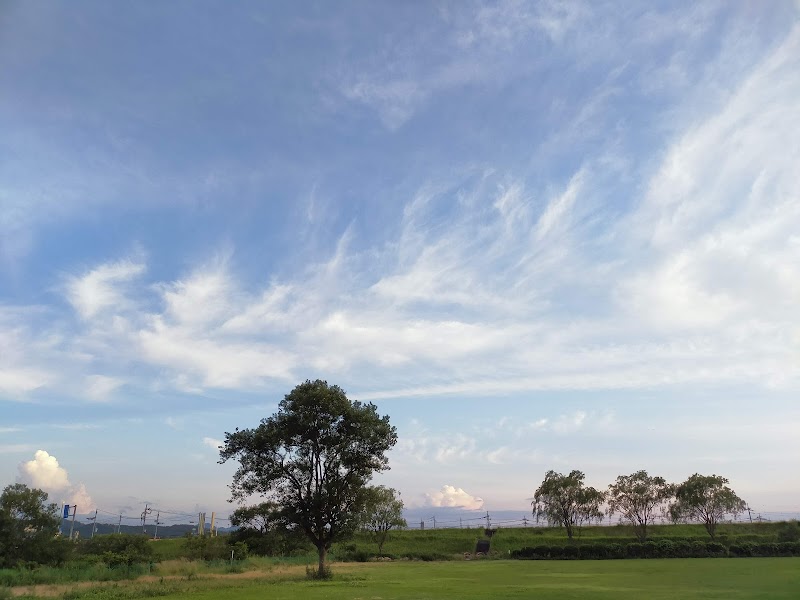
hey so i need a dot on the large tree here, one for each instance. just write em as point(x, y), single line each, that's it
point(382, 512)
point(28, 526)
point(639, 498)
point(564, 501)
point(707, 499)
point(313, 458)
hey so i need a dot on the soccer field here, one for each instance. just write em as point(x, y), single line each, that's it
point(773, 578)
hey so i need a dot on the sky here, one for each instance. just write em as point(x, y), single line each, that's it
point(537, 235)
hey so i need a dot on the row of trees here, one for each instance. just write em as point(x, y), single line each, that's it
point(639, 498)
point(313, 460)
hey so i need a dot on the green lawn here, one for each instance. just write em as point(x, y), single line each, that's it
point(768, 578)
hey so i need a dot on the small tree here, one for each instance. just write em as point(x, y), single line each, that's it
point(28, 526)
point(314, 458)
point(707, 499)
point(259, 517)
point(383, 511)
point(638, 498)
point(265, 530)
point(118, 549)
point(563, 500)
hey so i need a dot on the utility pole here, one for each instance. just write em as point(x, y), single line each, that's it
point(94, 522)
point(488, 521)
point(749, 514)
point(119, 525)
point(147, 510)
point(158, 514)
point(434, 521)
point(460, 524)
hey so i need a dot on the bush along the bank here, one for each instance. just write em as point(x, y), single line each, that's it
point(657, 549)
point(117, 549)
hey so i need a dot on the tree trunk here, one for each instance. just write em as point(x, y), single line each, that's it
point(641, 533)
point(323, 553)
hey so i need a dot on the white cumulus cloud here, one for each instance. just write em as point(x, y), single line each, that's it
point(453, 497)
point(44, 472)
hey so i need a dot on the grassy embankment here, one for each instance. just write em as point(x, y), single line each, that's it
point(444, 544)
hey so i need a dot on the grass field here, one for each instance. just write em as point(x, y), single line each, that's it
point(767, 578)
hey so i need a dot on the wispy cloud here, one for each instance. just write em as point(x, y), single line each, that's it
point(475, 303)
point(99, 288)
point(213, 443)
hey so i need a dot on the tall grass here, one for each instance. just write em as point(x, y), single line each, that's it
point(70, 573)
point(128, 592)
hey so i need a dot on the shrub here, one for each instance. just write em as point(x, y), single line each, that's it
point(357, 556)
point(117, 549)
point(634, 550)
point(682, 549)
point(314, 574)
point(532, 553)
point(540, 552)
point(789, 532)
point(615, 550)
point(593, 551)
point(570, 552)
point(766, 549)
point(716, 550)
point(741, 550)
point(272, 542)
point(698, 549)
point(204, 547)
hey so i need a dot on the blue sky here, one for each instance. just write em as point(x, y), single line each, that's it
point(537, 235)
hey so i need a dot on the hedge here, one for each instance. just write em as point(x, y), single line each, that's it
point(657, 549)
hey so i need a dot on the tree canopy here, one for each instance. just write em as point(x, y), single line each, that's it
point(638, 498)
point(563, 500)
point(259, 517)
point(707, 499)
point(313, 458)
point(28, 526)
point(382, 512)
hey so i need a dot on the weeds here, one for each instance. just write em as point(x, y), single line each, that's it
point(313, 573)
point(130, 592)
